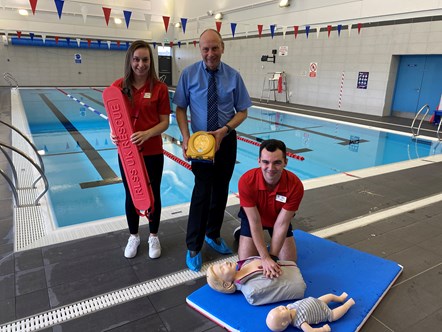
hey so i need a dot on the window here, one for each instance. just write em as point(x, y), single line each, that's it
point(164, 50)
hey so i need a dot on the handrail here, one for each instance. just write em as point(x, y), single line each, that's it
point(8, 158)
point(438, 131)
point(40, 160)
point(37, 167)
point(9, 78)
point(422, 120)
point(11, 184)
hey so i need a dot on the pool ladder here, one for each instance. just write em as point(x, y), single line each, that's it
point(416, 129)
point(14, 183)
point(10, 79)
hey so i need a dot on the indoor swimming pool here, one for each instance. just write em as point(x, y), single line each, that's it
point(69, 127)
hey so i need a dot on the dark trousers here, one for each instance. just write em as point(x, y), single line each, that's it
point(209, 196)
point(154, 165)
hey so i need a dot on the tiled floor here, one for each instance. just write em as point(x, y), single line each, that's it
point(42, 279)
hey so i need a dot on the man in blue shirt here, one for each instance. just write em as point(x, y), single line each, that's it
point(209, 196)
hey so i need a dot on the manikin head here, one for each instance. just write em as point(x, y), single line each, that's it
point(221, 276)
point(278, 318)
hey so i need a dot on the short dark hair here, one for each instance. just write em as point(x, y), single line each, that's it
point(272, 145)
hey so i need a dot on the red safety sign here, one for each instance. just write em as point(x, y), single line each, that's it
point(313, 69)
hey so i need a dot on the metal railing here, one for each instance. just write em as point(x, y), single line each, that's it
point(416, 132)
point(14, 183)
point(10, 79)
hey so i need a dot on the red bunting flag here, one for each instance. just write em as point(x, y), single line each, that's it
point(118, 43)
point(19, 34)
point(89, 43)
point(359, 27)
point(194, 43)
point(218, 26)
point(296, 28)
point(259, 30)
point(329, 27)
point(166, 22)
point(107, 12)
point(33, 5)
point(171, 44)
point(56, 39)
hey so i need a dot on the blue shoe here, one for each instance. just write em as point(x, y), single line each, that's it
point(194, 263)
point(222, 248)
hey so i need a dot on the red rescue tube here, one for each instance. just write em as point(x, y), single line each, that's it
point(131, 158)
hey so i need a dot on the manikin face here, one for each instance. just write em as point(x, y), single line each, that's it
point(141, 62)
point(278, 318)
point(272, 164)
point(211, 48)
point(225, 271)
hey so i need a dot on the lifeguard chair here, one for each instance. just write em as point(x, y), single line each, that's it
point(275, 83)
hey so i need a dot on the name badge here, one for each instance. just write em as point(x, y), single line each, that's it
point(281, 198)
point(147, 95)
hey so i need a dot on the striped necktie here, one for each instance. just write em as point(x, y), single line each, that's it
point(212, 103)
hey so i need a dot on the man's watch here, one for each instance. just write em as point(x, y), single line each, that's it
point(229, 129)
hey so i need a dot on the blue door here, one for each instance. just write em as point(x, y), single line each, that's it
point(418, 83)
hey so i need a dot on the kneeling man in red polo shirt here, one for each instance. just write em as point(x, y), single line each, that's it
point(269, 197)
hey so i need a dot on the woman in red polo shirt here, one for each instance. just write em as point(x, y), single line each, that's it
point(150, 109)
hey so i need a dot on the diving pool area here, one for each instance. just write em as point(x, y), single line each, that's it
point(70, 129)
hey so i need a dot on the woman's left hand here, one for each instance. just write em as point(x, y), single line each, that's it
point(139, 137)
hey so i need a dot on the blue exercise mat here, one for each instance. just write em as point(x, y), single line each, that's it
point(327, 267)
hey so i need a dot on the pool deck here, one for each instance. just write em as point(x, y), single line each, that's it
point(401, 212)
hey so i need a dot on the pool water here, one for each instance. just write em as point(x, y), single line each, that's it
point(82, 166)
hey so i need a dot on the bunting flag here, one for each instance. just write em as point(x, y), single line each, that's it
point(107, 12)
point(78, 42)
point(108, 44)
point(318, 30)
point(118, 43)
point(89, 43)
point(187, 44)
point(33, 5)
point(43, 37)
point(296, 28)
point(68, 40)
point(99, 43)
point(127, 15)
point(127, 44)
point(154, 44)
point(31, 34)
point(339, 29)
point(171, 44)
point(84, 12)
point(179, 44)
point(272, 30)
point(307, 30)
point(194, 43)
point(284, 30)
point(349, 30)
point(59, 4)
point(259, 30)
point(183, 24)
point(166, 22)
point(329, 27)
point(56, 40)
point(19, 34)
point(218, 26)
point(147, 18)
point(359, 27)
point(233, 27)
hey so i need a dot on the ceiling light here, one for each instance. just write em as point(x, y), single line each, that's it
point(177, 25)
point(23, 12)
point(219, 16)
point(284, 3)
point(117, 20)
point(210, 13)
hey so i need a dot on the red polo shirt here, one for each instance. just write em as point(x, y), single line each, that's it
point(149, 105)
point(253, 192)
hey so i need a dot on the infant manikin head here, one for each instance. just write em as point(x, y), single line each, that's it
point(278, 318)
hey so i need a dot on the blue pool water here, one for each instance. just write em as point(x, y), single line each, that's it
point(80, 159)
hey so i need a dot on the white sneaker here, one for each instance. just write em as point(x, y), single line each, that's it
point(132, 246)
point(154, 247)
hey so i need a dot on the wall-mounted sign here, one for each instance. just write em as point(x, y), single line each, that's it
point(362, 80)
point(77, 58)
point(283, 50)
point(313, 69)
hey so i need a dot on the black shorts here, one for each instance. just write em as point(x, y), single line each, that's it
point(245, 226)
